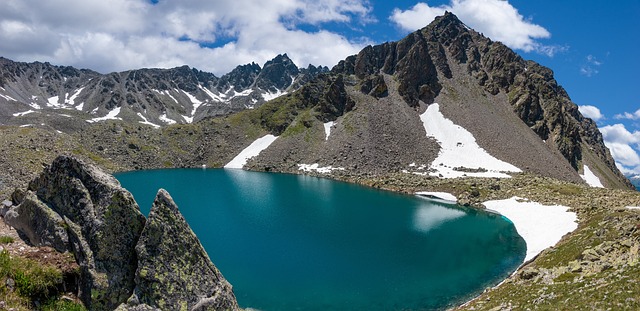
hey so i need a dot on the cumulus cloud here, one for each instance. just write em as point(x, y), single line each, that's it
point(624, 146)
point(590, 66)
point(497, 19)
point(210, 35)
point(629, 115)
point(591, 112)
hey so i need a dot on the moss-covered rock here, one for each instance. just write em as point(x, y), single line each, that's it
point(101, 220)
point(174, 271)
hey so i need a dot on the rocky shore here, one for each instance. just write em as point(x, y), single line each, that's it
point(595, 267)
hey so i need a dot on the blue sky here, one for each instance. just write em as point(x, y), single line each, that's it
point(590, 45)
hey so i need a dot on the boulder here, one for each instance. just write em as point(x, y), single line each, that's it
point(174, 271)
point(74, 206)
point(38, 223)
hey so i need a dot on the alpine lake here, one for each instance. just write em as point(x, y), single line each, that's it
point(294, 242)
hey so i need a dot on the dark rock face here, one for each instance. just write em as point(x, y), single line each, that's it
point(76, 207)
point(408, 60)
point(277, 74)
point(174, 271)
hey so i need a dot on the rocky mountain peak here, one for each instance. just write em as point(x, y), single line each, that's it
point(241, 77)
point(277, 74)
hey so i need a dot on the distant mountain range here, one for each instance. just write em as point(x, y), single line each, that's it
point(151, 96)
point(369, 114)
point(635, 180)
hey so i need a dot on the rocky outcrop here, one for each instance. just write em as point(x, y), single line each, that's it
point(76, 207)
point(174, 271)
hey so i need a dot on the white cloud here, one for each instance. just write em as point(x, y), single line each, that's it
point(591, 112)
point(618, 133)
point(629, 115)
point(497, 19)
point(209, 35)
point(624, 146)
point(590, 67)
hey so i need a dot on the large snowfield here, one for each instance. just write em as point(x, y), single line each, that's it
point(541, 226)
point(459, 149)
point(251, 151)
point(591, 178)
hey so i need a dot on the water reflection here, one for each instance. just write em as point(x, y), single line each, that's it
point(428, 217)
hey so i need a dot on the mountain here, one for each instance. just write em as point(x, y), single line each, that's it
point(444, 101)
point(635, 180)
point(374, 103)
point(151, 96)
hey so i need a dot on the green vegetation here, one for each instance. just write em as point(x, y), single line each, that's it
point(32, 280)
point(24, 281)
point(6, 239)
point(63, 305)
point(302, 124)
point(564, 189)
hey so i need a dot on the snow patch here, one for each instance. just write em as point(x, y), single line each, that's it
point(165, 119)
point(79, 107)
point(174, 99)
point(34, 105)
point(196, 103)
point(541, 226)
point(251, 151)
point(459, 149)
point(246, 92)
point(7, 97)
point(211, 94)
point(316, 167)
point(591, 178)
point(20, 114)
point(269, 96)
point(26, 125)
point(444, 196)
point(327, 129)
point(53, 102)
point(112, 115)
point(193, 99)
point(72, 100)
point(633, 207)
point(145, 121)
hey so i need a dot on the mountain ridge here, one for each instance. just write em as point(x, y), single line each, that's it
point(514, 108)
point(147, 95)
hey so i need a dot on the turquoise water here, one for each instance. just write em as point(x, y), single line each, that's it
point(288, 242)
